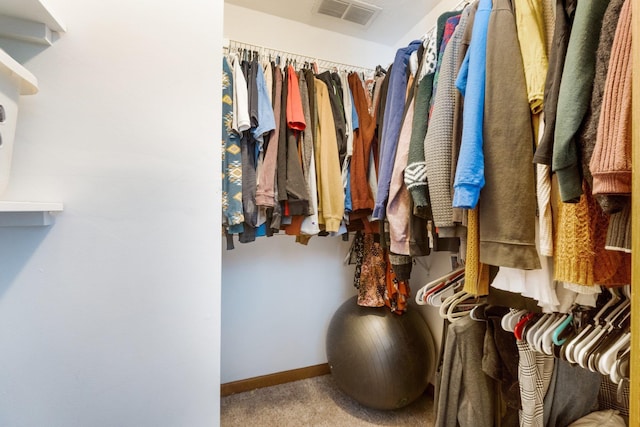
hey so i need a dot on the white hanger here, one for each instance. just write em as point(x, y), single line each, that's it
point(451, 287)
point(537, 344)
point(425, 289)
point(445, 304)
point(615, 374)
point(608, 360)
point(511, 319)
point(454, 315)
point(530, 334)
point(571, 345)
point(602, 330)
point(547, 338)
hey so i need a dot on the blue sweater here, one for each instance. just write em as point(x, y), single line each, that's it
point(393, 112)
point(469, 178)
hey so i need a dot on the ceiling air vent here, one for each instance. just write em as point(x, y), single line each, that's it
point(359, 15)
point(352, 10)
point(333, 8)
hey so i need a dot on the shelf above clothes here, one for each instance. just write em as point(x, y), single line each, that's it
point(29, 20)
point(28, 214)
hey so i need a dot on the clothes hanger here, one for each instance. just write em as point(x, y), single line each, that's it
point(530, 329)
point(602, 329)
point(560, 328)
point(478, 313)
point(620, 371)
point(517, 330)
point(607, 360)
point(606, 342)
point(619, 326)
point(511, 319)
point(540, 331)
point(445, 304)
point(581, 317)
point(570, 346)
point(547, 338)
point(575, 344)
point(462, 302)
point(438, 295)
point(421, 294)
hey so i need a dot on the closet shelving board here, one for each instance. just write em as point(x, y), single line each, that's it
point(33, 22)
point(28, 84)
point(23, 214)
point(29, 20)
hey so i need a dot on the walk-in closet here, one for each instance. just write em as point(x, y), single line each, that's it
point(439, 191)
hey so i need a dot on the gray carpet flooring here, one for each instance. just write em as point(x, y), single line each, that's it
point(315, 402)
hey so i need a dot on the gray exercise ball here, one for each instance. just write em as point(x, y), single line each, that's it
point(380, 359)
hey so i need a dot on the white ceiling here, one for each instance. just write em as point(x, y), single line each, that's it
point(388, 27)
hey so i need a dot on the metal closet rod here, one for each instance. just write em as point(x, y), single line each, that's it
point(459, 6)
point(323, 64)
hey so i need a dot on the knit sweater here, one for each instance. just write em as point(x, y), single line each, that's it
point(471, 83)
point(611, 161)
point(587, 136)
point(574, 96)
point(439, 138)
point(580, 255)
point(446, 27)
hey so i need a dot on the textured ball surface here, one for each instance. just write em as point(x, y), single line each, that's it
point(380, 359)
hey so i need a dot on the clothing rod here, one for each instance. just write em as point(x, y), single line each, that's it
point(460, 6)
point(323, 64)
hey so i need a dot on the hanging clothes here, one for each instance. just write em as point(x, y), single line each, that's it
point(466, 393)
point(232, 214)
point(398, 207)
point(562, 405)
point(573, 98)
point(564, 12)
point(531, 34)
point(361, 197)
point(535, 371)
point(439, 137)
point(415, 174)
point(394, 110)
point(265, 191)
point(330, 194)
point(471, 83)
point(447, 23)
point(310, 225)
point(611, 161)
point(337, 108)
point(508, 203)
